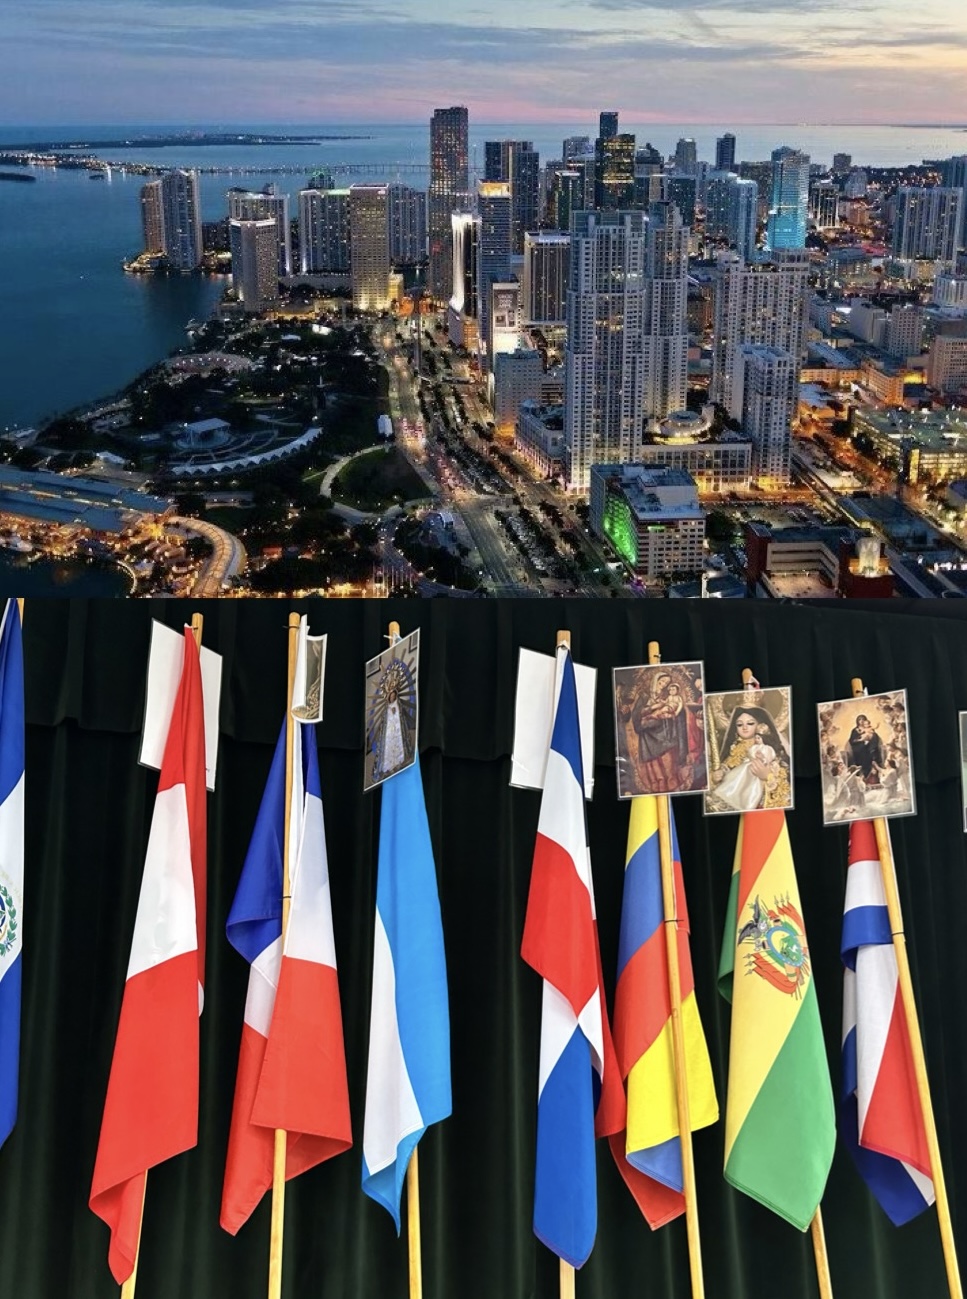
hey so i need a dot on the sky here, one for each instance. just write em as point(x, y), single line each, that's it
point(332, 61)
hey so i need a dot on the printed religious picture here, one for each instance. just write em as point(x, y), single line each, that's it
point(660, 729)
point(749, 750)
point(392, 708)
point(963, 764)
point(864, 751)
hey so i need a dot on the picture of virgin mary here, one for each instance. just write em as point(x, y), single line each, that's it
point(660, 729)
point(753, 773)
point(391, 716)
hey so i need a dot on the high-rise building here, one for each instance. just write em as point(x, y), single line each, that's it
point(857, 183)
point(516, 163)
point(153, 217)
point(614, 178)
point(682, 191)
point(607, 126)
point(604, 360)
point(824, 204)
point(664, 316)
point(927, 223)
point(786, 226)
point(494, 210)
point(407, 225)
point(577, 147)
point(324, 231)
point(842, 163)
point(247, 205)
point(255, 261)
point(464, 306)
point(764, 399)
point(904, 331)
point(955, 177)
point(947, 364)
point(547, 261)
point(731, 206)
point(761, 173)
point(686, 156)
point(171, 219)
point(449, 192)
point(566, 196)
point(725, 152)
point(369, 246)
point(651, 517)
point(763, 304)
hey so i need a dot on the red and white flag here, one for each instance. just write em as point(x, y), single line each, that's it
point(151, 1109)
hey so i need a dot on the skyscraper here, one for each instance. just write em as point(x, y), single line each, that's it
point(664, 317)
point(614, 181)
point(786, 227)
point(171, 219)
point(464, 306)
point(547, 264)
point(730, 212)
point(763, 304)
point(516, 163)
point(449, 192)
point(686, 156)
point(764, 398)
point(369, 246)
point(604, 361)
point(725, 152)
point(494, 210)
point(576, 147)
point(566, 196)
point(955, 177)
point(607, 125)
point(324, 231)
point(927, 223)
point(407, 224)
point(247, 205)
point(255, 261)
point(824, 204)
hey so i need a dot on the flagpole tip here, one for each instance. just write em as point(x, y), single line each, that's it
point(747, 677)
point(564, 638)
point(857, 686)
point(654, 652)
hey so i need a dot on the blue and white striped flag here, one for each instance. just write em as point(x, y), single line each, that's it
point(408, 1079)
point(11, 859)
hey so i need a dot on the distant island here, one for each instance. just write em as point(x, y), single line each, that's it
point(200, 139)
point(18, 176)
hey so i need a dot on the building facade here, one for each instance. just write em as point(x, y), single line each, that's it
point(651, 517)
point(255, 262)
point(786, 226)
point(764, 398)
point(171, 219)
point(449, 192)
point(927, 224)
point(324, 231)
point(267, 204)
point(369, 246)
point(547, 262)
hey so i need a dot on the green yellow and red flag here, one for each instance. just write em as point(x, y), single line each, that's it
point(780, 1127)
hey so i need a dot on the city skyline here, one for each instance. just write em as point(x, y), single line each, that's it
point(137, 61)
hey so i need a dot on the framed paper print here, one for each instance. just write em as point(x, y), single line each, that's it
point(864, 753)
point(750, 750)
point(659, 722)
point(392, 710)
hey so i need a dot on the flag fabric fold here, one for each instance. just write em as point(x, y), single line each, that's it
point(11, 860)
point(579, 1088)
point(779, 1125)
point(151, 1108)
point(880, 1113)
point(408, 1074)
point(292, 1062)
point(650, 1143)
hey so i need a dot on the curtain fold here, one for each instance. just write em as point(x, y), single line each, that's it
point(88, 810)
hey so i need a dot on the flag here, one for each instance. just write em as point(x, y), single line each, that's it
point(408, 1076)
point(292, 1059)
point(650, 1142)
point(11, 859)
point(880, 1112)
point(151, 1109)
point(779, 1122)
point(579, 1091)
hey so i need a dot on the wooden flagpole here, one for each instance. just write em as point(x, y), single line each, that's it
point(669, 902)
point(567, 1270)
point(888, 871)
point(413, 1236)
point(127, 1289)
point(816, 1228)
point(277, 1227)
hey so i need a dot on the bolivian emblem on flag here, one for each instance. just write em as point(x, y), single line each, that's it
point(779, 1124)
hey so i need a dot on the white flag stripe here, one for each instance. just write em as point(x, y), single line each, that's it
point(864, 885)
point(558, 1026)
point(165, 924)
point(562, 815)
point(263, 980)
point(923, 1184)
point(876, 989)
point(12, 862)
point(309, 936)
point(392, 1112)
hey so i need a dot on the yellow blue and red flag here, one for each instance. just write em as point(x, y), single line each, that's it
point(650, 1143)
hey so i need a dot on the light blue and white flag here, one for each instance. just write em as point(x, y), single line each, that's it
point(408, 1079)
point(11, 859)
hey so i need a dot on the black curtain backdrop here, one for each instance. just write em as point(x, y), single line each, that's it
point(88, 811)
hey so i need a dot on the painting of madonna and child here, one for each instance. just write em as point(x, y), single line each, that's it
point(660, 729)
point(392, 707)
point(750, 750)
point(865, 758)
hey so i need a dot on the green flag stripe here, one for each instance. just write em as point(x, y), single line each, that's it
point(783, 1153)
point(727, 958)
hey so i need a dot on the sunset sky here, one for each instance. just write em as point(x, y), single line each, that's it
point(322, 61)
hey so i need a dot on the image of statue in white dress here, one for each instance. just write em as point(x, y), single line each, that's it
point(754, 769)
point(391, 716)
